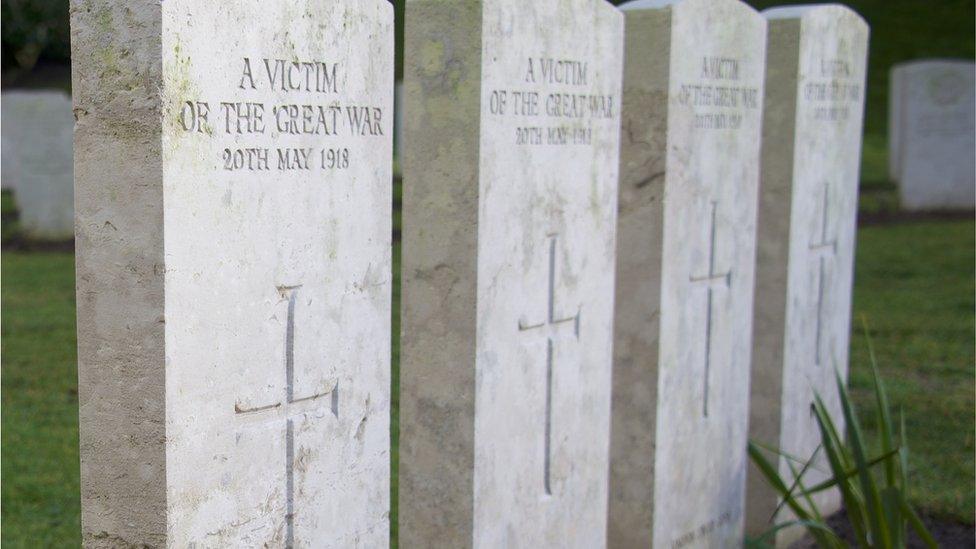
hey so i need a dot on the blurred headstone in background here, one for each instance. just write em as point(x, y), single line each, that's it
point(37, 161)
point(931, 134)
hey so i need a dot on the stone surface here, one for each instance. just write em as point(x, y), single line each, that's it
point(932, 134)
point(813, 117)
point(685, 261)
point(510, 185)
point(894, 121)
point(37, 161)
point(233, 271)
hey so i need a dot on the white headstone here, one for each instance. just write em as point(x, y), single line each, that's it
point(894, 121)
point(813, 115)
point(233, 165)
point(693, 87)
point(510, 192)
point(932, 134)
point(36, 161)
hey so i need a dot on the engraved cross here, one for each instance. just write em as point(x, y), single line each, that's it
point(821, 249)
point(712, 280)
point(551, 327)
point(289, 409)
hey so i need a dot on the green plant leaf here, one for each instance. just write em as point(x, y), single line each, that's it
point(885, 428)
point(833, 445)
point(891, 505)
point(772, 476)
point(773, 450)
point(872, 497)
point(832, 482)
point(875, 502)
point(798, 483)
point(771, 473)
point(917, 525)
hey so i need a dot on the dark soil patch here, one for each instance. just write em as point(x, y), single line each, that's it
point(20, 244)
point(893, 217)
point(949, 534)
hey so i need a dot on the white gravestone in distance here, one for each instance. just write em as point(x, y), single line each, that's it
point(37, 128)
point(510, 196)
point(813, 118)
point(233, 169)
point(932, 134)
point(693, 83)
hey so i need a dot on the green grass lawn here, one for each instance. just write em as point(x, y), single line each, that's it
point(914, 285)
point(40, 402)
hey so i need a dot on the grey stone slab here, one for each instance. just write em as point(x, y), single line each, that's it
point(894, 121)
point(510, 187)
point(813, 121)
point(37, 161)
point(233, 178)
point(932, 134)
point(693, 87)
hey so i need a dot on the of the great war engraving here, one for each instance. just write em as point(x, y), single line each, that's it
point(546, 91)
point(836, 92)
point(237, 119)
point(717, 97)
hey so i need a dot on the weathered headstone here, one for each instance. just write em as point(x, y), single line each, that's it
point(932, 134)
point(510, 186)
point(693, 82)
point(811, 154)
point(233, 168)
point(36, 161)
point(894, 120)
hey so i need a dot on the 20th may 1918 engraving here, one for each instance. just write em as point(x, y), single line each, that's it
point(565, 98)
point(325, 119)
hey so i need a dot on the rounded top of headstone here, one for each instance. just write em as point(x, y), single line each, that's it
point(659, 4)
point(802, 10)
point(646, 4)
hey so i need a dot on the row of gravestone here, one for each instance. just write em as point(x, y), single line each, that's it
point(592, 271)
point(931, 105)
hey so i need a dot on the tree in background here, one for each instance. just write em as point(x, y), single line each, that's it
point(33, 30)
